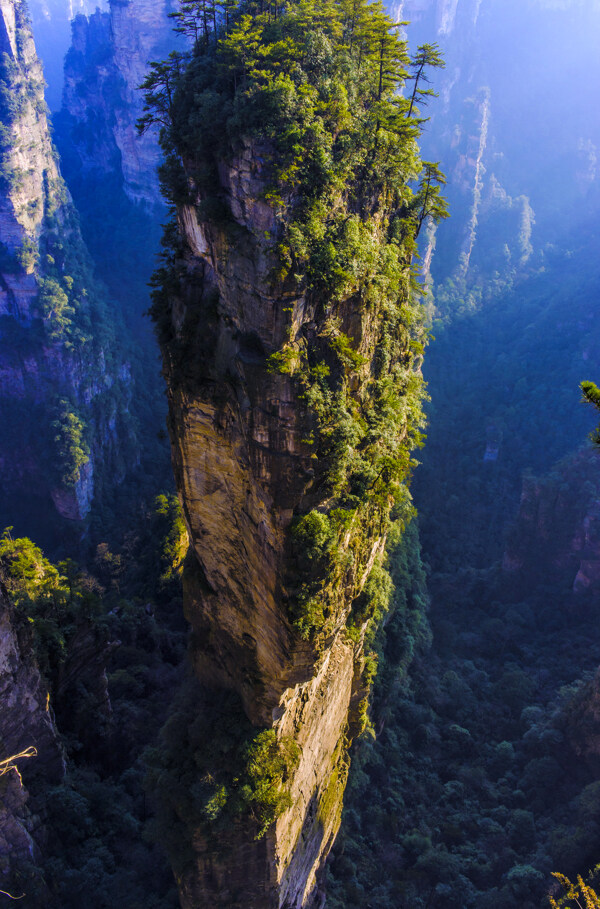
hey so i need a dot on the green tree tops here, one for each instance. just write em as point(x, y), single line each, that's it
point(427, 56)
point(317, 89)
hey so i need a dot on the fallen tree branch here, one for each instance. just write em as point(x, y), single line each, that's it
point(8, 764)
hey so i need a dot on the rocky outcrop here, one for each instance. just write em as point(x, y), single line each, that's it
point(104, 68)
point(29, 164)
point(292, 343)
point(51, 23)
point(92, 89)
point(441, 17)
point(246, 470)
point(243, 467)
point(141, 32)
point(26, 725)
point(556, 536)
point(63, 384)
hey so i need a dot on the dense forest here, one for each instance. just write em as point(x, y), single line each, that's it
point(397, 346)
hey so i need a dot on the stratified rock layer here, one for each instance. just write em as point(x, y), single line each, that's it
point(243, 467)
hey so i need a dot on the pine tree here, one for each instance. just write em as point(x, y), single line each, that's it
point(159, 90)
point(429, 202)
point(427, 55)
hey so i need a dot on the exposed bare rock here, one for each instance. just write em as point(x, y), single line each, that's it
point(26, 721)
point(89, 95)
point(51, 23)
point(26, 717)
point(29, 158)
point(244, 468)
point(141, 32)
point(74, 503)
point(105, 66)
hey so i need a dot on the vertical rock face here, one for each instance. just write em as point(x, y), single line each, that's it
point(51, 22)
point(104, 68)
point(28, 161)
point(485, 214)
point(63, 387)
point(26, 721)
point(91, 91)
point(292, 339)
point(556, 537)
point(140, 32)
point(243, 467)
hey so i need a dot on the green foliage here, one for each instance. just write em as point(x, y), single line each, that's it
point(465, 798)
point(69, 340)
point(112, 227)
point(169, 520)
point(55, 308)
point(100, 805)
point(314, 535)
point(427, 56)
point(269, 763)
point(27, 255)
point(212, 770)
point(519, 799)
point(317, 90)
point(71, 447)
point(49, 602)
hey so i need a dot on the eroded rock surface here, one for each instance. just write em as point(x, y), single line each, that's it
point(26, 721)
point(244, 467)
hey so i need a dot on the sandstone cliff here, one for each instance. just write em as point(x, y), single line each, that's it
point(51, 22)
point(64, 385)
point(104, 68)
point(285, 453)
point(243, 468)
point(498, 152)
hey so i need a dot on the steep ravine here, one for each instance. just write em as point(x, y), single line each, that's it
point(294, 400)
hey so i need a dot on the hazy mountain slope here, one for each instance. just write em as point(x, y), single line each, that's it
point(65, 384)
